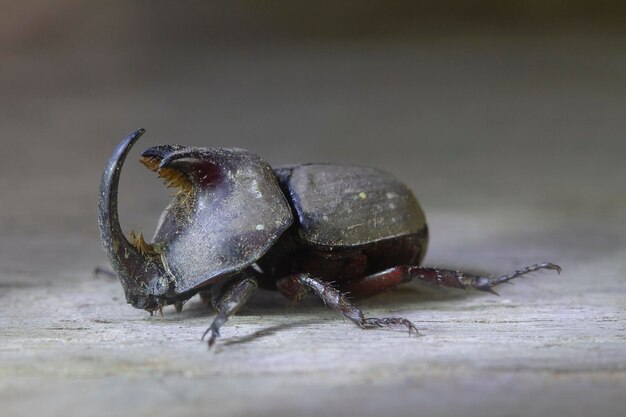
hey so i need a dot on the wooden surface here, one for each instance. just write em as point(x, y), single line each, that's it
point(514, 147)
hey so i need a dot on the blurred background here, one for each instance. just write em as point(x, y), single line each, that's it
point(507, 118)
point(500, 87)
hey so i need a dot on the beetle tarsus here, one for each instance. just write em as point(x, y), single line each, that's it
point(214, 330)
point(524, 271)
point(487, 283)
point(233, 298)
point(390, 322)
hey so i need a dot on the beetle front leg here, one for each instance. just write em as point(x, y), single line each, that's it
point(295, 287)
point(376, 283)
point(233, 298)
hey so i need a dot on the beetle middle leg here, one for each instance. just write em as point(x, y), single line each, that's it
point(379, 282)
point(231, 300)
point(297, 286)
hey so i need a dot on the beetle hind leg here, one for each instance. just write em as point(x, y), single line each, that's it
point(295, 287)
point(376, 283)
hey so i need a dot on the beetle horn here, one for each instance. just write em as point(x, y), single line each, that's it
point(137, 271)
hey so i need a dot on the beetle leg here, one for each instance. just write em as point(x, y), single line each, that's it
point(376, 283)
point(104, 272)
point(296, 286)
point(230, 301)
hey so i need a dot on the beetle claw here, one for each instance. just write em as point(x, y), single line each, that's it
point(205, 333)
point(490, 290)
point(212, 338)
point(554, 267)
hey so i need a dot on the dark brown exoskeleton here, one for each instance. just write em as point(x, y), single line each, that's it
point(236, 224)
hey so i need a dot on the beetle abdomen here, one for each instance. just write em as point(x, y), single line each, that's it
point(345, 205)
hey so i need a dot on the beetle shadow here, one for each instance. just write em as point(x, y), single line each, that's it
point(268, 331)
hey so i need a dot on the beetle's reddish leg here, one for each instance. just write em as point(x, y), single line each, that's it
point(376, 283)
point(379, 282)
point(231, 300)
point(295, 287)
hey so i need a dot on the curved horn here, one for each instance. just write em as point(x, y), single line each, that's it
point(138, 273)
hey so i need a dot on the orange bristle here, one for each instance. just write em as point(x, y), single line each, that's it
point(176, 179)
point(172, 178)
point(151, 163)
point(141, 245)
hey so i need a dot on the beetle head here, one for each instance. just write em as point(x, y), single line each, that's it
point(227, 211)
point(138, 267)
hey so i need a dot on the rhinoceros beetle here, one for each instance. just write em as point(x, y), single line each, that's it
point(236, 224)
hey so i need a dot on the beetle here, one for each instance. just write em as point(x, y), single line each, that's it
point(235, 224)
